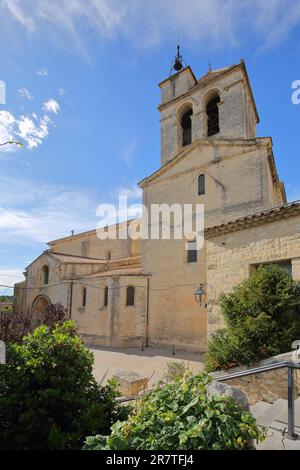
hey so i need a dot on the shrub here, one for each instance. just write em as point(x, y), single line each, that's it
point(54, 314)
point(14, 325)
point(262, 316)
point(181, 415)
point(49, 398)
point(175, 370)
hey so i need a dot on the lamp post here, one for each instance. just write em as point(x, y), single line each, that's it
point(199, 293)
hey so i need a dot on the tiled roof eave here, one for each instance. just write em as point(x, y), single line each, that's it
point(277, 213)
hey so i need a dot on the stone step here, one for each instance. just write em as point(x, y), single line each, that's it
point(271, 413)
point(280, 422)
point(259, 408)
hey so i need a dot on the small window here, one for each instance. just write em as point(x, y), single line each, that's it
point(130, 296)
point(186, 124)
point(105, 297)
point(46, 275)
point(201, 185)
point(84, 297)
point(192, 254)
point(212, 110)
point(108, 255)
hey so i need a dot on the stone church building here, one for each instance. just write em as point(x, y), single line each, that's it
point(125, 293)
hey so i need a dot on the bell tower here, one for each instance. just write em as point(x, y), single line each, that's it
point(219, 105)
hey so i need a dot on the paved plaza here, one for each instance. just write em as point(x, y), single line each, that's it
point(151, 362)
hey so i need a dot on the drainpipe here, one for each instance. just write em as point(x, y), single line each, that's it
point(147, 313)
point(71, 300)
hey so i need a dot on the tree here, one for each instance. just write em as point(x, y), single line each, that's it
point(49, 398)
point(262, 318)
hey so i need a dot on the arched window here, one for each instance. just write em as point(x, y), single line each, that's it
point(45, 275)
point(130, 295)
point(201, 185)
point(212, 110)
point(84, 297)
point(105, 297)
point(186, 124)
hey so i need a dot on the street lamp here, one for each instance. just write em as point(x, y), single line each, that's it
point(199, 292)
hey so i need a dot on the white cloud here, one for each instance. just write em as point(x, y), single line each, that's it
point(51, 106)
point(128, 152)
point(39, 212)
point(62, 91)
point(132, 193)
point(25, 93)
point(30, 129)
point(42, 72)
point(8, 277)
point(213, 23)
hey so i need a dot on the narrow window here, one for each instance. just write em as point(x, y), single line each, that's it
point(108, 255)
point(46, 275)
point(84, 297)
point(212, 110)
point(201, 185)
point(130, 296)
point(186, 124)
point(106, 296)
point(192, 255)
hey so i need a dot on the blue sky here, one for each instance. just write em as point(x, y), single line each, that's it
point(81, 79)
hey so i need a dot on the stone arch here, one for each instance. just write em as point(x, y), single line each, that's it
point(211, 102)
point(39, 305)
point(184, 116)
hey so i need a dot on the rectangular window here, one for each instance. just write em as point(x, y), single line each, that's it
point(192, 254)
point(84, 297)
point(201, 185)
point(106, 296)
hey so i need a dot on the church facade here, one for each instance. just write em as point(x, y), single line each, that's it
point(127, 292)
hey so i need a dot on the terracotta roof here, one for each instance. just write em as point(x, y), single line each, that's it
point(64, 258)
point(90, 232)
point(135, 271)
point(276, 213)
point(73, 259)
point(213, 74)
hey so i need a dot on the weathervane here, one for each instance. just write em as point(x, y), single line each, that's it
point(177, 65)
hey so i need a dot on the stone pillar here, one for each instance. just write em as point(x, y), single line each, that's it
point(296, 269)
point(115, 293)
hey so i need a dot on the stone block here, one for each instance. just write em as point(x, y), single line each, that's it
point(130, 383)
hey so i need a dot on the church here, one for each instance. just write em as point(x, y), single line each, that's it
point(138, 293)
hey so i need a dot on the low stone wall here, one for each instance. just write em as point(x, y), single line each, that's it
point(266, 386)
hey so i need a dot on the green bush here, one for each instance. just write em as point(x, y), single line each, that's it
point(262, 317)
point(49, 398)
point(182, 416)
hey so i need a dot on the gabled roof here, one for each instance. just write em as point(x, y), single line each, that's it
point(269, 215)
point(225, 141)
point(90, 232)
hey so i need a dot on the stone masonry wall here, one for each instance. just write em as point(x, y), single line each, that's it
point(231, 258)
point(267, 386)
